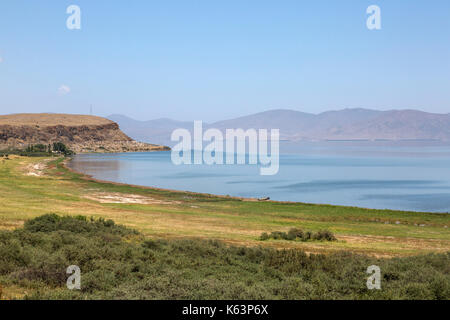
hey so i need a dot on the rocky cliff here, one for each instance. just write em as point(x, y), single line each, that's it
point(80, 133)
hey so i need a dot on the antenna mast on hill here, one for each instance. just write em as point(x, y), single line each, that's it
point(91, 110)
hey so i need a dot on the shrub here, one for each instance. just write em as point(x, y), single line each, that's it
point(324, 235)
point(62, 148)
point(307, 236)
point(35, 259)
point(295, 233)
point(264, 236)
point(151, 244)
point(277, 235)
point(79, 224)
point(36, 148)
point(298, 234)
point(46, 223)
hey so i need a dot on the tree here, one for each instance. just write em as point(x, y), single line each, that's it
point(61, 148)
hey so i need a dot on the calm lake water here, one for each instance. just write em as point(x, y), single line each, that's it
point(401, 178)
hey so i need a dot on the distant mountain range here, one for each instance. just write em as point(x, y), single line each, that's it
point(347, 124)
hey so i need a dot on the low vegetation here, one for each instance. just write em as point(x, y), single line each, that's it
point(166, 257)
point(61, 148)
point(120, 263)
point(295, 234)
point(39, 150)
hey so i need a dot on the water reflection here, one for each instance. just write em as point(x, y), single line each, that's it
point(109, 169)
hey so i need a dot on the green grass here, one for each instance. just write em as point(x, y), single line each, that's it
point(174, 215)
point(121, 263)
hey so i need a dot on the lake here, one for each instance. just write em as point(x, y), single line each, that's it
point(414, 178)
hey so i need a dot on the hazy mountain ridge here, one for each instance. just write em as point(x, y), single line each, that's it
point(346, 124)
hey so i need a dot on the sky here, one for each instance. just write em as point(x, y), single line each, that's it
point(213, 59)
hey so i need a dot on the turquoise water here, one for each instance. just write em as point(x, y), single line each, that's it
point(410, 178)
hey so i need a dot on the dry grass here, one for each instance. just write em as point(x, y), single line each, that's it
point(51, 119)
point(173, 215)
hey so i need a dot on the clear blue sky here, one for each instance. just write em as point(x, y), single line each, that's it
point(217, 59)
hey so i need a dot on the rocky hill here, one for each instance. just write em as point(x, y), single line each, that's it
point(79, 132)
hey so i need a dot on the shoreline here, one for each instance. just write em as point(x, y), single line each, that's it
point(172, 214)
point(88, 177)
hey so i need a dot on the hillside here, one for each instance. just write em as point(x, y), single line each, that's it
point(80, 133)
point(346, 124)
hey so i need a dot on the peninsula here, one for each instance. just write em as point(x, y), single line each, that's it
point(81, 133)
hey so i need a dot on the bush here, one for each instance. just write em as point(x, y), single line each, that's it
point(297, 234)
point(307, 236)
point(62, 148)
point(324, 235)
point(264, 236)
point(114, 265)
point(79, 224)
point(46, 223)
point(277, 235)
point(37, 148)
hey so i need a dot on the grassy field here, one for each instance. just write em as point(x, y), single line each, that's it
point(119, 263)
point(31, 187)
